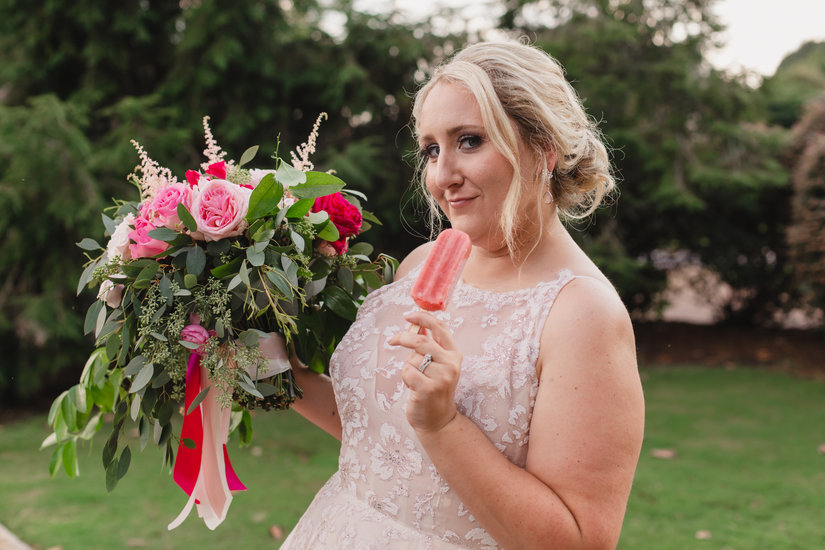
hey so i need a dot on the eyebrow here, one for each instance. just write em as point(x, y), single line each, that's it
point(456, 130)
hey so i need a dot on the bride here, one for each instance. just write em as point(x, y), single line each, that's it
point(515, 418)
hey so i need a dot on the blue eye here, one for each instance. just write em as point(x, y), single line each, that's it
point(469, 141)
point(430, 152)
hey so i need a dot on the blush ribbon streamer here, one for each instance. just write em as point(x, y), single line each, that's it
point(204, 472)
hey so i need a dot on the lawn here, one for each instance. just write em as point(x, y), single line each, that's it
point(731, 460)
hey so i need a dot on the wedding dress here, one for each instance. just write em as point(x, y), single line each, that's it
point(386, 493)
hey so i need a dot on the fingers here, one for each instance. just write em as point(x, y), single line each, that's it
point(428, 323)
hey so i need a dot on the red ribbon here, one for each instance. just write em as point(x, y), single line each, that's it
point(200, 470)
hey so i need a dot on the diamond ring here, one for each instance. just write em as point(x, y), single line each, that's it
point(425, 363)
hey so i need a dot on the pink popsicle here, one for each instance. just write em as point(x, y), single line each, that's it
point(441, 270)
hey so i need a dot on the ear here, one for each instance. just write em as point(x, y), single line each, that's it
point(550, 159)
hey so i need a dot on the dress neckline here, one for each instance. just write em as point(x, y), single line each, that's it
point(562, 276)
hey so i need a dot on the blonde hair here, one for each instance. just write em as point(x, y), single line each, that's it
point(520, 83)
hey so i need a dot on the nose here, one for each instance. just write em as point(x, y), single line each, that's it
point(445, 172)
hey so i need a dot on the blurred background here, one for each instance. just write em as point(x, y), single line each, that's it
point(716, 244)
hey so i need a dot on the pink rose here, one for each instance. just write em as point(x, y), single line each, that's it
point(345, 216)
point(195, 334)
point(163, 210)
point(145, 245)
point(220, 208)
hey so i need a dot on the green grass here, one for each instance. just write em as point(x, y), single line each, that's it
point(746, 469)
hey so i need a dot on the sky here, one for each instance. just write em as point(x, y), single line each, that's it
point(760, 33)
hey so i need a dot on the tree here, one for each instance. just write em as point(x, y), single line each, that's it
point(699, 170)
point(799, 79)
point(806, 233)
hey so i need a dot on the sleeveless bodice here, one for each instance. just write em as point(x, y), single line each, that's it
point(387, 493)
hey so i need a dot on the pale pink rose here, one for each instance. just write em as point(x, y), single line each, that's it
point(256, 175)
point(195, 334)
point(144, 246)
point(119, 242)
point(163, 210)
point(219, 208)
point(110, 293)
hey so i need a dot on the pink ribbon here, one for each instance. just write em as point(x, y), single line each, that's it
point(204, 472)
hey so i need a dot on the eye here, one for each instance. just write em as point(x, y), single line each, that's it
point(469, 141)
point(430, 152)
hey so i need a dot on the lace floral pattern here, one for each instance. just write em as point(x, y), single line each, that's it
point(387, 493)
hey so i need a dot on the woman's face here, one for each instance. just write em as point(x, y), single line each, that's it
point(466, 174)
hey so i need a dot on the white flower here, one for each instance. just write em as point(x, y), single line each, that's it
point(119, 243)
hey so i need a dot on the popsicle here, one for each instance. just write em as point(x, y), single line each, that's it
point(441, 270)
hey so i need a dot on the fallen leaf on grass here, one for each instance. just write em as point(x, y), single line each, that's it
point(703, 535)
point(666, 454)
point(822, 449)
point(277, 532)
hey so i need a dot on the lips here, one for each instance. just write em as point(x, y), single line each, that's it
point(457, 202)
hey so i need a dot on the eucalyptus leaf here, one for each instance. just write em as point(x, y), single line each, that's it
point(109, 224)
point(290, 176)
point(369, 216)
point(186, 217)
point(86, 277)
point(189, 443)
point(189, 281)
point(135, 408)
point(142, 378)
point(135, 365)
point(195, 260)
point(70, 458)
point(91, 316)
point(101, 320)
point(345, 278)
point(227, 269)
point(163, 234)
point(248, 155)
point(123, 462)
point(250, 389)
point(197, 401)
point(243, 272)
point(189, 345)
point(298, 240)
point(340, 302)
point(255, 257)
point(362, 248)
point(280, 280)
point(89, 244)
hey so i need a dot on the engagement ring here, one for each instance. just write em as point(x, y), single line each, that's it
point(425, 362)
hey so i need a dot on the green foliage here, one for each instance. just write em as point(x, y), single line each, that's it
point(798, 79)
point(698, 171)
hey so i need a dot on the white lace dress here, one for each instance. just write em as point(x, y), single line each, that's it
point(386, 493)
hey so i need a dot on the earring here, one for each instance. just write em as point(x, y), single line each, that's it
point(547, 179)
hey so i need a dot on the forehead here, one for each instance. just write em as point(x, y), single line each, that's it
point(448, 105)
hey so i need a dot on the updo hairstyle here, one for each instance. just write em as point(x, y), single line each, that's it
point(516, 82)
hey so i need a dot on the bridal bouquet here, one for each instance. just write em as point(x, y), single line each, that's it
point(194, 275)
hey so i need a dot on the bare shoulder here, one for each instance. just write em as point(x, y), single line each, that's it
point(418, 255)
point(588, 320)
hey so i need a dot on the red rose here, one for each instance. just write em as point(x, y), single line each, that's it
point(345, 216)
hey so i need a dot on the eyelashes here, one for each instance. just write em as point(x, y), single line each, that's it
point(467, 142)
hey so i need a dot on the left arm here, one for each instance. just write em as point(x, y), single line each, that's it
point(585, 432)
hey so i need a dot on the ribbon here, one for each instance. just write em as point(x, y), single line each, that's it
point(204, 472)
